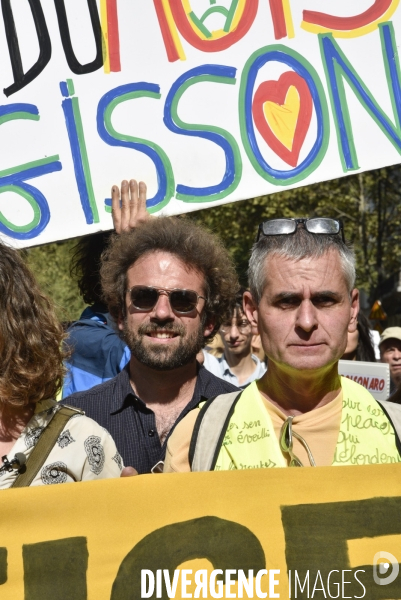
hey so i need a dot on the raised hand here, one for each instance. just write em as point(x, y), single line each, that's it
point(129, 210)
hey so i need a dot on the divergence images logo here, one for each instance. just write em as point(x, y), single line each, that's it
point(385, 564)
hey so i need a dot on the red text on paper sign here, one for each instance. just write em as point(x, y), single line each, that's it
point(370, 383)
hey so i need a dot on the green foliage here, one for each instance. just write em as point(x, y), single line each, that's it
point(368, 203)
point(51, 266)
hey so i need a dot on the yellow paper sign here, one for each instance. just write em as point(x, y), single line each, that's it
point(280, 533)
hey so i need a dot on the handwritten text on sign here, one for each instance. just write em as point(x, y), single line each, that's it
point(209, 101)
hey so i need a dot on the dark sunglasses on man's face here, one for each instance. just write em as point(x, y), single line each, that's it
point(317, 225)
point(181, 301)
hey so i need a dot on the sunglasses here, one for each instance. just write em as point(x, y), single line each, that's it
point(287, 444)
point(317, 225)
point(181, 301)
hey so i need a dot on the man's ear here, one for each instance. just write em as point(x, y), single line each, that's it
point(209, 326)
point(353, 322)
point(251, 311)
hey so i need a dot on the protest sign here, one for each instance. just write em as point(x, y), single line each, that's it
point(208, 101)
point(331, 530)
point(375, 377)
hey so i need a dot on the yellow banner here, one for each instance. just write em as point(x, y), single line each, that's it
point(331, 532)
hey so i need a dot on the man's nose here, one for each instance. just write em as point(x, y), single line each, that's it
point(234, 331)
point(306, 316)
point(397, 354)
point(162, 309)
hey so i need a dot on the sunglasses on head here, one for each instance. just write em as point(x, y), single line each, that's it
point(317, 225)
point(181, 301)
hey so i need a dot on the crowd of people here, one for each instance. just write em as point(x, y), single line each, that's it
point(143, 389)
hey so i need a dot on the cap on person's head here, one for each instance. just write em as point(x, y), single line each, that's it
point(390, 333)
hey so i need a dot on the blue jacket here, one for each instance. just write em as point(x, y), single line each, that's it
point(98, 353)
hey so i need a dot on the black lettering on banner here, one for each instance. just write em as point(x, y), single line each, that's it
point(72, 61)
point(3, 565)
point(316, 537)
point(22, 79)
point(226, 544)
point(56, 570)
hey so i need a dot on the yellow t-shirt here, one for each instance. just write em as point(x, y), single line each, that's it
point(319, 428)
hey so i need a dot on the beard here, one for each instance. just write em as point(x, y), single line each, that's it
point(159, 356)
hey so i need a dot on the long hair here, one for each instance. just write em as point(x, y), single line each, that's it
point(194, 245)
point(365, 349)
point(31, 358)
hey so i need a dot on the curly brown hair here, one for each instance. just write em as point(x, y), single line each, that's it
point(85, 265)
point(31, 358)
point(197, 247)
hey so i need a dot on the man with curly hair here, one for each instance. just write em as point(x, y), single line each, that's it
point(97, 351)
point(169, 284)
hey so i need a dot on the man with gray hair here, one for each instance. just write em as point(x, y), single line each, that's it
point(301, 412)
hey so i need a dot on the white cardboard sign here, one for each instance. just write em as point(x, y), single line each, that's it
point(208, 101)
point(375, 377)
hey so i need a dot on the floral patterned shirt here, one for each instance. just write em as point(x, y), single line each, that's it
point(84, 450)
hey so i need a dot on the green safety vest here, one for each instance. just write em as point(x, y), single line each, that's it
point(249, 441)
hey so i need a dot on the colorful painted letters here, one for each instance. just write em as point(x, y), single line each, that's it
point(207, 100)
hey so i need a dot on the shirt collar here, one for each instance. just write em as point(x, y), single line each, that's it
point(200, 386)
point(123, 392)
point(226, 368)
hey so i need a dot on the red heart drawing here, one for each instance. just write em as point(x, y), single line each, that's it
point(271, 99)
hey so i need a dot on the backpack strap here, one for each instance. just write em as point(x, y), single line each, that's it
point(393, 413)
point(214, 417)
point(209, 431)
point(45, 444)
